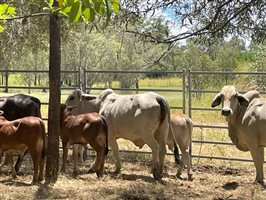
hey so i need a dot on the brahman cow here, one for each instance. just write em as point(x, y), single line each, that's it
point(246, 118)
point(141, 118)
point(182, 132)
point(83, 129)
point(15, 107)
point(29, 131)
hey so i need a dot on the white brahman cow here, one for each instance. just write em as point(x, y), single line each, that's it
point(246, 117)
point(141, 118)
point(182, 132)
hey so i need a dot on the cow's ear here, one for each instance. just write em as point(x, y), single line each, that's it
point(88, 97)
point(242, 100)
point(217, 100)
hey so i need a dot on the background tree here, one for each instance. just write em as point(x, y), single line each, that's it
point(259, 65)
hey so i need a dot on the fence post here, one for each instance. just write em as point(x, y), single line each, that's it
point(84, 81)
point(189, 94)
point(189, 110)
point(184, 91)
point(6, 81)
point(79, 79)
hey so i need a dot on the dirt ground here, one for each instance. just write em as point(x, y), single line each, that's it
point(211, 181)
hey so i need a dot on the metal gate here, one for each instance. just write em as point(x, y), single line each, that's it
point(189, 87)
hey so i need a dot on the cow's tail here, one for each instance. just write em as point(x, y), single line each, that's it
point(176, 154)
point(44, 138)
point(165, 111)
point(106, 132)
point(190, 129)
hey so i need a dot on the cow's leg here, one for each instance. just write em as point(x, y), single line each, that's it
point(41, 165)
point(257, 154)
point(9, 156)
point(35, 160)
point(6, 160)
point(95, 164)
point(152, 143)
point(75, 161)
point(99, 162)
point(162, 151)
point(78, 150)
point(65, 152)
point(114, 147)
point(1, 154)
point(102, 160)
point(185, 161)
point(20, 159)
point(189, 169)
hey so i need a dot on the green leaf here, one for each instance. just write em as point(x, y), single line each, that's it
point(70, 2)
point(116, 6)
point(3, 8)
point(66, 9)
point(99, 6)
point(60, 3)
point(86, 3)
point(63, 13)
point(51, 3)
point(1, 28)
point(11, 11)
point(89, 14)
point(75, 12)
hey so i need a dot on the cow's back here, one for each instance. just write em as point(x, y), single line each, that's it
point(21, 131)
point(19, 106)
point(128, 115)
point(182, 127)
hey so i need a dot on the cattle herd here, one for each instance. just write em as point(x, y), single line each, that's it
point(99, 120)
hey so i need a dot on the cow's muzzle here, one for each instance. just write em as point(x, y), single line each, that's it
point(226, 112)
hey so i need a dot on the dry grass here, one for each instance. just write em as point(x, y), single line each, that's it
point(211, 181)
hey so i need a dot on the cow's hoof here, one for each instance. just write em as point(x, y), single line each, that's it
point(178, 176)
point(157, 176)
point(261, 182)
point(99, 174)
point(118, 171)
point(190, 178)
point(14, 176)
point(75, 174)
point(91, 170)
point(34, 182)
point(40, 179)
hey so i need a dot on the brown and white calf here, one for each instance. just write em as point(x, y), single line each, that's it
point(182, 131)
point(27, 131)
point(87, 128)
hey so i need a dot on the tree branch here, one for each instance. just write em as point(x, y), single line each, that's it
point(25, 16)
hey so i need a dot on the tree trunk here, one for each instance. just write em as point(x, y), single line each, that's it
point(52, 164)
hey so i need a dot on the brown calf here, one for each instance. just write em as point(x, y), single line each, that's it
point(29, 131)
point(182, 130)
point(88, 128)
